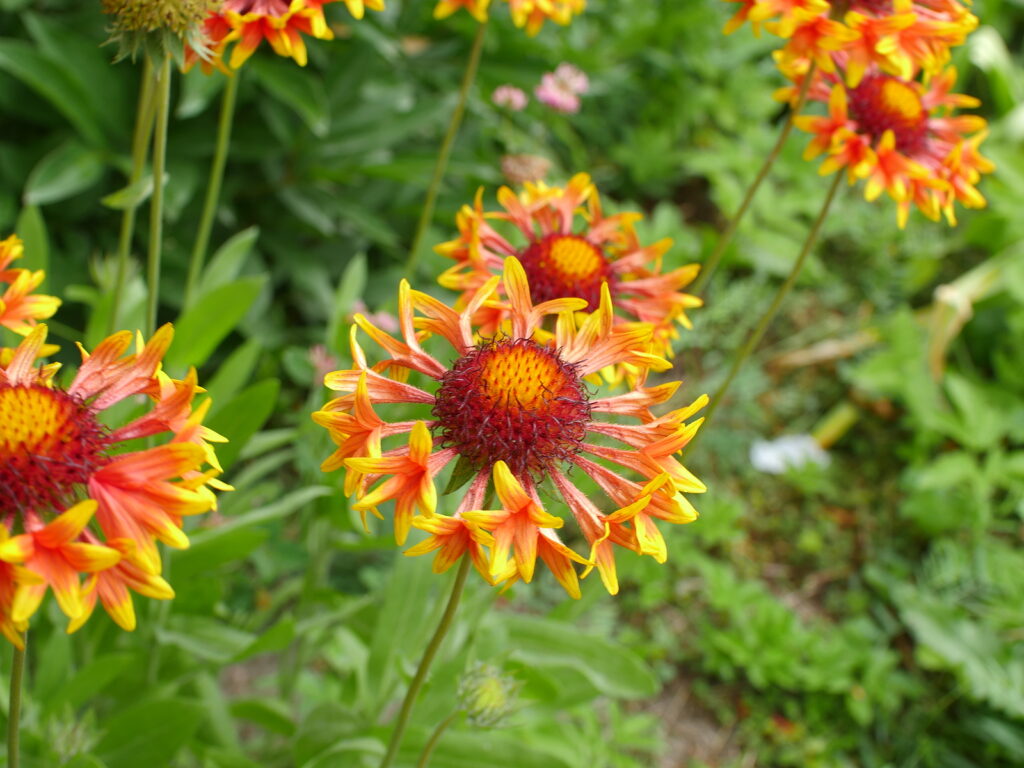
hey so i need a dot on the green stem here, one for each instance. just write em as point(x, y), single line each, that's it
point(140, 147)
point(427, 214)
point(220, 156)
point(156, 205)
point(428, 748)
point(14, 708)
point(711, 264)
point(428, 657)
point(755, 337)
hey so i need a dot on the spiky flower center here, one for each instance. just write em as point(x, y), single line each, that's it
point(565, 267)
point(50, 442)
point(515, 401)
point(178, 16)
point(265, 7)
point(884, 103)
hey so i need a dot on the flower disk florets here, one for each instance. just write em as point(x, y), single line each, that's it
point(515, 401)
point(885, 103)
point(50, 443)
point(565, 266)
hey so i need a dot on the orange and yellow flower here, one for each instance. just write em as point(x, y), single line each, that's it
point(530, 14)
point(243, 25)
point(77, 496)
point(569, 252)
point(512, 412)
point(898, 37)
point(902, 137)
point(20, 307)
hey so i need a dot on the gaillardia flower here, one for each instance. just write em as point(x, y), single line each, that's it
point(901, 136)
point(898, 37)
point(514, 416)
point(79, 496)
point(530, 14)
point(20, 308)
point(569, 253)
point(244, 24)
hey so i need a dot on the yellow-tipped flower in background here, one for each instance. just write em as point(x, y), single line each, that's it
point(902, 138)
point(242, 25)
point(569, 252)
point(512, 411)
point(77, 497)
point(20, 308)
point(529, 14)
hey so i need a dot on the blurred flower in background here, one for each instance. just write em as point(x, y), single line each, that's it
point(561, 89)
point(510, 97)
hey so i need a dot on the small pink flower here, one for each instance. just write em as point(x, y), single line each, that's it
point(382, 320)
point(573, 78)
point(510, 97)
point(561, 89)
point(323, 361)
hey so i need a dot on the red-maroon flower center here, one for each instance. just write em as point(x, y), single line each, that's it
point(50, 442)
point(874, 7)
point(565, 267)
point(265, 7)
point(514, 401)
point(884, 103)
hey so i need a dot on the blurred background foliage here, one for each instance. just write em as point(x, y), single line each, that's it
point(864, 613)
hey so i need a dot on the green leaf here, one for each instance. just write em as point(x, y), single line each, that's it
point(612, 669)
point(275, 639)
point(132, 195)
point(350, 288)
point(227, 262)
point(234, 373)
point(32, 230)
point(91, 679)
point(295, 88)
point(150, 733)
point(84, 761)
point(462, 474)
point(201, 328)
point(66, 171)
point(39, 72)
point(204, 638)
point(270, 714)
point(242, 417)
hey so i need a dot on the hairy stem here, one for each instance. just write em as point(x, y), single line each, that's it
point(140, 147)
point(428, 657)
point(156, 206)
point(428, 748)
point(762, 325)
point(709, 267)
point(427, 213)
point(220, 156)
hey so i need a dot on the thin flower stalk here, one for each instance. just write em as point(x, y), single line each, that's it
point(162, 98)
point(447, 618)
point(765, 320)
point(14, 707)
point(429, 203)
point(213, 187)
point(144, 117)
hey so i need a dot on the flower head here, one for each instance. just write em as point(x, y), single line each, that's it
point(530, 14)
point(898, 37)
point(161, 25)
point(20, 307)
point(77, 497)
point(242, 25)
point(561, 89)
point(569, 252)
point(902, 138)
point(510, 97)
point(513, 415)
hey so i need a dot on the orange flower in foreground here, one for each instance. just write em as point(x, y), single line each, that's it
point(569, 253)
point(512, 412)
point(78, 497)
point(244, 24)
point(903, 138)
point(530, 14)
